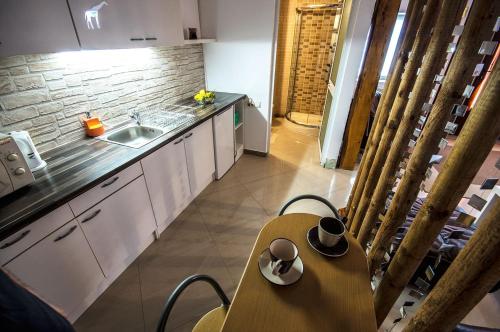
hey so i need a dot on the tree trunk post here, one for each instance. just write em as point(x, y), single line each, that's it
point(449, 15)
point(384, 17)
point(396, 112)
point(482, 17)
point(468, 154)
point(403, 47)
point(472, 274)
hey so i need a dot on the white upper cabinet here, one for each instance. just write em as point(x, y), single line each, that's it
point(199, 144)
point(35, 26)
point(127, 23)
point(168, 182)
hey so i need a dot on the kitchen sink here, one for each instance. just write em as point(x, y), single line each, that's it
point(133, 136)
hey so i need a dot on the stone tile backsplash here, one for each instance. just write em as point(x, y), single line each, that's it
point(46, 94)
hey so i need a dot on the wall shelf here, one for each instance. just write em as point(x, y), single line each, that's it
point(199, 41)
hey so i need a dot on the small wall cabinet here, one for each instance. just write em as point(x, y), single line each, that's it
point(34, 26)
point(127, 23)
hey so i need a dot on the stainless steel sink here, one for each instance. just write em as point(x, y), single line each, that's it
point(133, 135)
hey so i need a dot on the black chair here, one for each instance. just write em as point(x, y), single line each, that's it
point(313, 198)
point(211, 321)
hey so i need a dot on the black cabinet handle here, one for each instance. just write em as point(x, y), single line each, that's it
point(107, 184)
point(91, 217)
point(188, 135)
point(19, 238)
point(60, 237)
point(178, 141)
point(151, 38)
point(136, 39)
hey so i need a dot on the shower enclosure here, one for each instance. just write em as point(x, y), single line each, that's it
point(314, 45)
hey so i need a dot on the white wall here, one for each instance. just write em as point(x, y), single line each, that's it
point(242, 59)
point(350, 61)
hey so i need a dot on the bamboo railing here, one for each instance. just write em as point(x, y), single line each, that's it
point(468, 154)
point(420, 45)
point(477, 29)
point(460, 289)
point(384, 17)
point(405, 43)
point(435, 57)
point(477, 267)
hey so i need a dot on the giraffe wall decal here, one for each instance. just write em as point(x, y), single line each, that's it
point(93, 13)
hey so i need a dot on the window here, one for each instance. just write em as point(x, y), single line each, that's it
point(392, 46)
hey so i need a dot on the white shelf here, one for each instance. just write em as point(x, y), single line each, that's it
point(239, 151)
point(198, 41)
point(238, 126)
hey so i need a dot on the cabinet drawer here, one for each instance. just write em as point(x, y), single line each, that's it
point(29, 235)
point(93, 196)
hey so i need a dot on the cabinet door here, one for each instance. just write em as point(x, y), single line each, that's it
point(127, 23)
point(224, 142)
point(120, 227)
point(168, 182)
point(199, 144)
point(34, 26)
point(61, 269)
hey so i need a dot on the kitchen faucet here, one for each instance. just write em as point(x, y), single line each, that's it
point(136, 117)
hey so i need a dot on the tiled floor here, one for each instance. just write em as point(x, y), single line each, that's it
point(215, 235)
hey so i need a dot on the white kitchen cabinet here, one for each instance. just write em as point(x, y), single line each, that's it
point(224, 141)
point(167, 178)
point(127, 23)
point(61, 269)
point(120, 227)
point(34, 26)
point(199, 144)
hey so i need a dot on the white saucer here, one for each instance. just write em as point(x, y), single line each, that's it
point(292, 276)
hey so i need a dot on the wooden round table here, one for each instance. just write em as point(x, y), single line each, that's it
point(334, 294)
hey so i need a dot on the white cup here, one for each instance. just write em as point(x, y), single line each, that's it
point(283, 254)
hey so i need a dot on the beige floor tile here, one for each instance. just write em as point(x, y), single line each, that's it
point(184, 249)
point(215, 235)
point(119, 308)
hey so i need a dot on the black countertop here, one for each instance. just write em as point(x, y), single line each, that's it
point(78, 166)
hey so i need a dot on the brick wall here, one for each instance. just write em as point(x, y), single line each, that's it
point(46, 94)
point(316, 36)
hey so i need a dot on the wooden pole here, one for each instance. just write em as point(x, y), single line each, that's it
point(468, 154)
point(449, 15)
point(472, 274)
point(420, 44)
point(385, 105)
point(482, 17)
point(384, 17)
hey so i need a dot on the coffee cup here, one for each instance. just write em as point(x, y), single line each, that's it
point(330, 231)
point(283, 254)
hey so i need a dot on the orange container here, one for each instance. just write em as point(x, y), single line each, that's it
point(93, 127)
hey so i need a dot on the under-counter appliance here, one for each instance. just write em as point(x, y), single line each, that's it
point(15, 172)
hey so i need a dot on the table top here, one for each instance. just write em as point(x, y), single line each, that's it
point(334, 294)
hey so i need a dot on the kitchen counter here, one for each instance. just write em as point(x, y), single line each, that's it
point(78, 166)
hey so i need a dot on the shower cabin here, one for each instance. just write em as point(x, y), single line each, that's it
point(307, 45)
